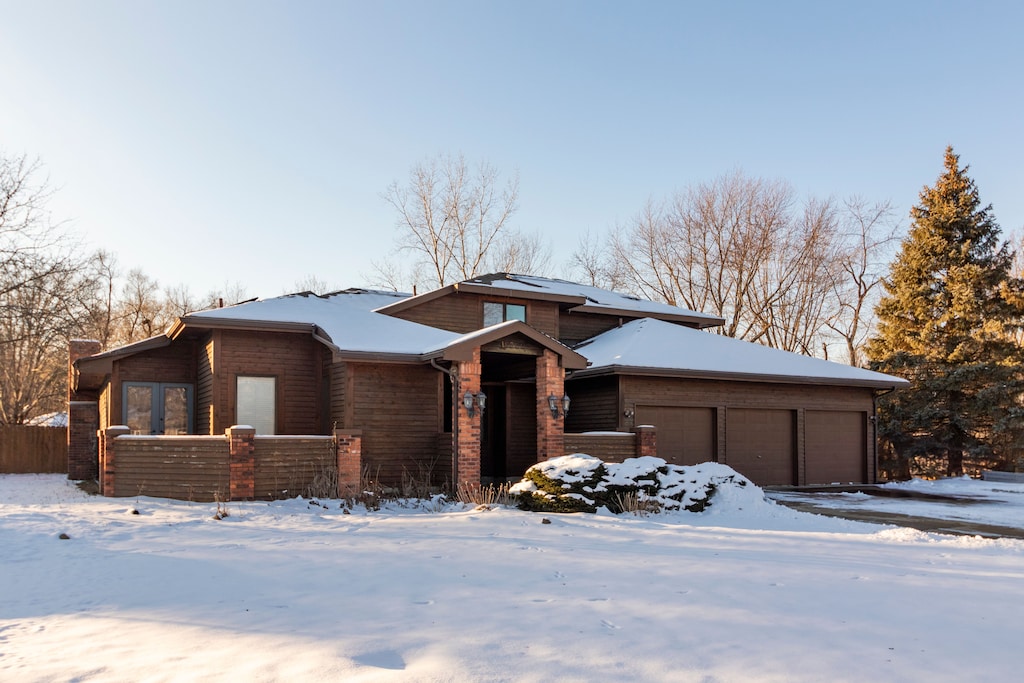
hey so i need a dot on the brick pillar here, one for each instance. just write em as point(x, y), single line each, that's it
point(108, 458)
point(242, 462)
point(646, 441)
point(467, 445)
point(350, 461)
point(83, 417)
point(550, 429)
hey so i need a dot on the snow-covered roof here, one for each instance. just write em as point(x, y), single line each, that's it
point(597, 299)
point(572, 295)
point(346, 318)
point(660, 347)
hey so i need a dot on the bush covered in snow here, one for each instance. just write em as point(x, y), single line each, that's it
point(583, 483)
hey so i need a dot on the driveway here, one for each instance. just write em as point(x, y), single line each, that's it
point(961, 514)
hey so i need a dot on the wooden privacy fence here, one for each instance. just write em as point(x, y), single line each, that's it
point(236, 466)
point(26, 449)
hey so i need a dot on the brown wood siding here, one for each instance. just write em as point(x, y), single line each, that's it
point(835, 446)
point(595, 405)
point(397, 408)
point(294, 359)
point(456, 312)
point(462, 312)
point(104, 406)
point(339, 384)
point(186, 468)
point(205, 387)
point(543, 316)
point(286, 467)
point(760, 445)
point(521, 421)
point(575, 327)
point(685, 435)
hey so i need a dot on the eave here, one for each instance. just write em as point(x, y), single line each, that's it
point(606, 370)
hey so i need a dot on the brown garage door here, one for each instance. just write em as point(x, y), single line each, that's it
point(759, 445)
point(835, 443)
point(686, 436)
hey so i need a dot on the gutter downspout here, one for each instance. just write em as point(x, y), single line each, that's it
point(455, 417)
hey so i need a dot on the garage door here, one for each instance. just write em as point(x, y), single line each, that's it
point(759, 445)
point(835, 442)
point(686, 436)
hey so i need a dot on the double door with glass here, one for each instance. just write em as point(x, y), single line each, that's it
point(157, 407)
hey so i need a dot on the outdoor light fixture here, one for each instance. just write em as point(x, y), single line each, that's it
point(472, 402)
point(554, 403)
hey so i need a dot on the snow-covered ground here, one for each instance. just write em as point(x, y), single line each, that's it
point(745, 591)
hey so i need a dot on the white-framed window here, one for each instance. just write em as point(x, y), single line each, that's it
point(495, 312)
point(256, 403)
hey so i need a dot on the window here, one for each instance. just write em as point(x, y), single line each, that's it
point(256, 402)
point(495, 313)
point(157, 408)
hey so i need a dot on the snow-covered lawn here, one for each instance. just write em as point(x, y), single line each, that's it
point(746, 591)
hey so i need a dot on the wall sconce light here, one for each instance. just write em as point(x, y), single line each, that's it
point(555, 402)
point(472, 402)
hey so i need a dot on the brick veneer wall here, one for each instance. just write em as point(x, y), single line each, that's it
point(83, 417)
point(550, 428)
point(350, 462)
point(242, 461)
point(646, 441)
point(467, 448)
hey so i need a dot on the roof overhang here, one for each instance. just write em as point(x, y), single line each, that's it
point(205, 322)
point(701, 321)
point(895, 383)
point(462, 349)
point(495, 291)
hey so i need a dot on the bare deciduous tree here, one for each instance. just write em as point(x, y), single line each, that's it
point(520, 253)
point(738, 247)
point(450, 217)
point(868, 232)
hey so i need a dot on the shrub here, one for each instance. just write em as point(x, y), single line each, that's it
point(583, 483)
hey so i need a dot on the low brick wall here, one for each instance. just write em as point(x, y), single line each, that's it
point(236, 466)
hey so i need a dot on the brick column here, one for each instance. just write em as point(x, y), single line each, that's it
point(646, 441)
point(550, 429)
point(108, 458)
point(350, 461)
point(467, 445)
point(242, 462)
point(83, 417)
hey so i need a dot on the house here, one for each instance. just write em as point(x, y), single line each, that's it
point(474, 382)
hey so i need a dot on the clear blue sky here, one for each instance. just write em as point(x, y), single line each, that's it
point(211, 142)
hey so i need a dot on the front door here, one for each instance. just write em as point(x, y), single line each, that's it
point(493, 435)
point(157, 407)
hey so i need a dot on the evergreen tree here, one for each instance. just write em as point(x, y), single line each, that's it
point(946, 323)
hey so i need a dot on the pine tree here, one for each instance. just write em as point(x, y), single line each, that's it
point(946, 323)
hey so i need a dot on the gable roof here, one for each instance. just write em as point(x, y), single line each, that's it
point(649, 346)
point(572, 295)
